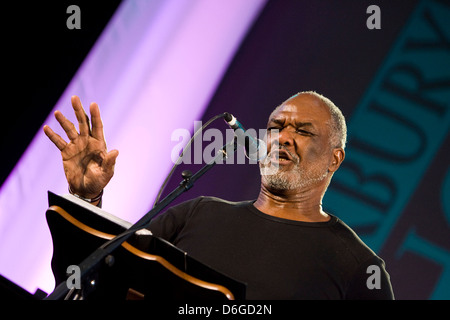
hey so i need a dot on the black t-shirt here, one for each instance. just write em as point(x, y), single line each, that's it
point(277, 258)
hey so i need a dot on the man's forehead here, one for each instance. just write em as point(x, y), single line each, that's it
point(287, 108)
point(301, 110)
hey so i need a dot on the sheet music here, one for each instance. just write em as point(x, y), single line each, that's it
point(102, 213)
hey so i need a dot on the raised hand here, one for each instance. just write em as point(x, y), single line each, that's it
point(88, 165)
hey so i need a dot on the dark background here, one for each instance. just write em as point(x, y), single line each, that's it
point(293, 46)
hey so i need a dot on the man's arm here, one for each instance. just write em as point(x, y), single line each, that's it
point(168, 224)
point(371, 282)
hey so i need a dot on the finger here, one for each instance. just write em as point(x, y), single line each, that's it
point(83, 119)
point(97, 124)
point(68, 126)
point(109, 161)
point(55, 138)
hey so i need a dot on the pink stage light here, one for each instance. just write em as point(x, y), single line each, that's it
point(153, 70)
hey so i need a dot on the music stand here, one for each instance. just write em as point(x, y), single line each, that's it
point(144, 267)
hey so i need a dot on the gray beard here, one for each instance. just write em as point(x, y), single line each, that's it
point(294, 179)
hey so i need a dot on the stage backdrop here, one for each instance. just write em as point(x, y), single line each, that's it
point(392, 83)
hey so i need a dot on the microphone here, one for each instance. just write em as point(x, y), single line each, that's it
point(255, 149)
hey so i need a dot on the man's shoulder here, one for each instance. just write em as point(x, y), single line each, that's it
point(351, 240)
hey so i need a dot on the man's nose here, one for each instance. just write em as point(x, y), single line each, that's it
point(286, 137)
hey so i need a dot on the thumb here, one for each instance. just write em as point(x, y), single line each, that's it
point(110, 160)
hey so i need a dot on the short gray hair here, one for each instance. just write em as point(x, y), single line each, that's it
point(338, 126)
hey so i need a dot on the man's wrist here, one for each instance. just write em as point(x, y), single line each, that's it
point(94, 201)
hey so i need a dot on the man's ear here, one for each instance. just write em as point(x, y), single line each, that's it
point(338, 157)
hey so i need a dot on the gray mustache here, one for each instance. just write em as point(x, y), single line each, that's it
point(294, 157)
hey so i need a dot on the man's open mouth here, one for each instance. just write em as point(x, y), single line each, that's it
point(282, 156)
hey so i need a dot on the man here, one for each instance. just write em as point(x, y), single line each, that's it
point(283, 245)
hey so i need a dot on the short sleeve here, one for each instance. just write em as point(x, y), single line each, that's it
point(370, 282)
point(168, 224)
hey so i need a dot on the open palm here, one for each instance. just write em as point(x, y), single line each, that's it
point(88, 165)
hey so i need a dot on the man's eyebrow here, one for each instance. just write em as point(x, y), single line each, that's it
point(277, 121)
point(300, 124)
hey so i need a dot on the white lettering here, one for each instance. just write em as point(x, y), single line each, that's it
point(74, 280)
point(373, 282)
point(374, 20)
point(74, 20)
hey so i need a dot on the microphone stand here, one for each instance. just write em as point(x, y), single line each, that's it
point(102, 256)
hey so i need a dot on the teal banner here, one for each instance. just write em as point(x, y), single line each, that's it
point(395, 135)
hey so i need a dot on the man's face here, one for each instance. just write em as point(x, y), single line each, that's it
point(301, 150)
